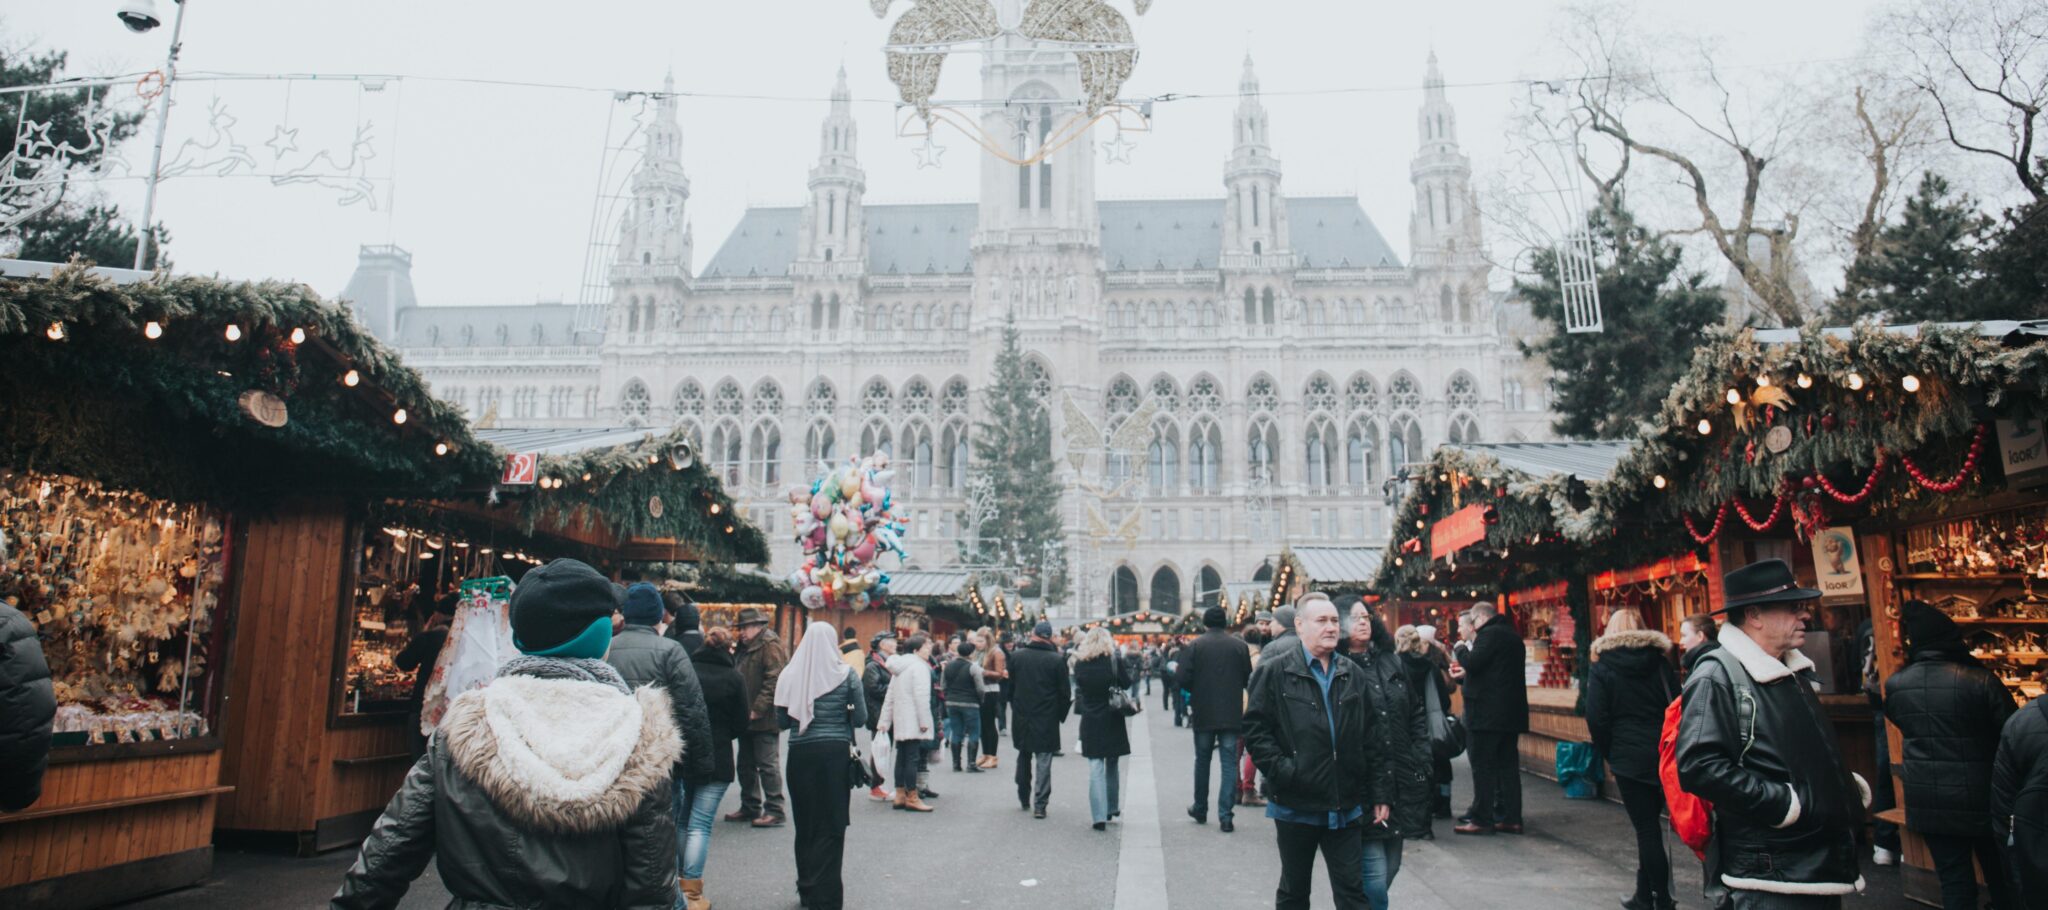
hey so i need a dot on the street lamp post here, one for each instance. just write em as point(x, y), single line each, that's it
point(163, 116)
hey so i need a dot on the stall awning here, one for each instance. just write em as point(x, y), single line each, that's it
point(1591, 462)
point(937, 585)
point(562, 441)
point(1337, 565)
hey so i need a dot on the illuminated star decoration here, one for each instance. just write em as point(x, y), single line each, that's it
point(1118, 150)
point(928, 154)
point(284, 142)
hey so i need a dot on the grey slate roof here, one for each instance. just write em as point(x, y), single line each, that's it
point(939, 584)
point(488, 326)
point(1137, 235)
point(1347, 565)
point(1591, 462)
point(562, 441)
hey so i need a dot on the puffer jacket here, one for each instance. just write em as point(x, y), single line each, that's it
point(28, 704)
point(1627, 690)
point(1287, 732)
point(1401, 727)
point(1785, 806)
point(874, 684)
point(1949, 711)
point(907, 709)
point(2019, 797)
point(645, 658)
point(547, 788)
point(725, 700)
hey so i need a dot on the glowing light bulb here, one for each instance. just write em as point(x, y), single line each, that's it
point(1734, 397)
point(1855, 382)
point(55, 332)
point(1658, 481)
point(234, 332)
point(398, 416)
point(1706, 426)
point(1763, 382)
point(351, 379)
point(298, 336)
point(440, 448)
point(1911, 383)
point(717, 508)
point(1805, 381)
point(153, 330)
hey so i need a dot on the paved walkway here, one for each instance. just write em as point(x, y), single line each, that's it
point(979, 850)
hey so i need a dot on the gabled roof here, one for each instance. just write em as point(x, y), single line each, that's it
point(562, 441)
point(939, 584)
point(1591, 462)
point(1345, 565)
point(515, 325)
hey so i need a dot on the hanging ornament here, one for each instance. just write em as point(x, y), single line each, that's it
point(1962, 476)
point(1741, 510)
point(1720, 517)
point(1778, 439)
point(1857, 498)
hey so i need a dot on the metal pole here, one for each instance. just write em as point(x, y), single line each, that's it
point(156, 155)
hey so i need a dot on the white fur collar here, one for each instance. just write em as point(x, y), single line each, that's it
point(564, 755)
point(1762, 667)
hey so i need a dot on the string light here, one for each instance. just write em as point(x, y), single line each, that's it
point(1805, 381)
point(716, 508)
point(1855, 382)
point(55, 332)
point(298, 336)
point(1763, 381)
point(1658, 481)
point(1734, 397)
point(1418, 524)
point(1910, 383)
point(153, 330)
point(234, 332)
point(440, 448)
point(398, 416)
point(1706, 427)
point(351, 379)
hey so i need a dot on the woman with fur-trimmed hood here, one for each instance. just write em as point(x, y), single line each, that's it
point(547, 788)
point(1630, 684)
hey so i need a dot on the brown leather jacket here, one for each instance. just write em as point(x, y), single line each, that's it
point(761, 663)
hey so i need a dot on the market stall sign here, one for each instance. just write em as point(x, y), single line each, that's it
point(1836, 568)
point(1144, 628)
point(1663, 568)
point(1553, 591)
point(2023, 445)
point(264, 408)
point(1457, 531)
point(521, 469)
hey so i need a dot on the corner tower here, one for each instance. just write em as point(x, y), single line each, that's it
point(1443, 231)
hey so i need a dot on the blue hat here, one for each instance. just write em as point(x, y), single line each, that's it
point(1042, 630)
point(643, 605)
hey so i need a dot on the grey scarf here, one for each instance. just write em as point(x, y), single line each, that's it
point(582, 669)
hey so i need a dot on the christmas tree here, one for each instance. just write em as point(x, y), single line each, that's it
point(1013, 450)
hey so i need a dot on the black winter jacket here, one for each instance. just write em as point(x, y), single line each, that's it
point(1041, 697)
point(1496, 685)
point(645, 658)
point(1949, 711)
point(725, 700)
point(1785, 806)
point(28, 705)
point(1287, 732)
point(509, 825)
point(1103, 733)
point(957, 679)
point(2019, 798)
point(1627, 690)
point(1401, 726)
point(874, 683)
point(1215, 670)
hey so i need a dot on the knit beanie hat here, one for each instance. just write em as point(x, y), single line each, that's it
point(1215, 618)
point(1042, 630)
point(563, 609)
point(1927, 627)
point(1285, 617)
point(643, 605)
point(687, 618)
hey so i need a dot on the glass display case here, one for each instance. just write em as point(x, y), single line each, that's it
point(1989, 573)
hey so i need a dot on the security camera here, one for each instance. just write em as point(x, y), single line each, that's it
point(138, 15)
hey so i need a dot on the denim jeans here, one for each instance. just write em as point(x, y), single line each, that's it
point(1222, 746)
point(1102, 788)
point(963, 726)
point(696, 808)
point(1381, 862)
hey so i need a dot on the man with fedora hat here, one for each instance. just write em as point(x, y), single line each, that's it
point(762, 657)
point(1754, 741)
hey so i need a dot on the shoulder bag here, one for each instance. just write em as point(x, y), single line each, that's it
point(1120, 700)
point(1446, 732)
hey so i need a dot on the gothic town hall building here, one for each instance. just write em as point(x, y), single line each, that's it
point(1290, 362)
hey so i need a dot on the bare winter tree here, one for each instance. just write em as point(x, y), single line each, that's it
point(1984, 66)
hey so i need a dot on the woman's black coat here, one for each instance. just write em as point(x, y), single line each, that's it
point(1103, 730)
point(2019, 797)
point(1627, 691)
point(726, 701)
point(28, 705)
point(1401, 735)
point(1949, 711)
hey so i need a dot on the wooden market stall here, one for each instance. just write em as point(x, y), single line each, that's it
point(1331, 570)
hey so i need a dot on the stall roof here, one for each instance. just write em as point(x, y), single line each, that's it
point(1992, 328)
point(1349, 565)
point(562, 440)
point(928, 584)
point(1591, 461)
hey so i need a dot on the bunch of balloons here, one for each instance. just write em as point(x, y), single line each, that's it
point(843, 523)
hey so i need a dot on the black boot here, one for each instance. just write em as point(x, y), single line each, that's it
point(973, 758)
point(956, 757)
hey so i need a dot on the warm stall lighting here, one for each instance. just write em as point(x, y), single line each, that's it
point(234, 332)
point(152, 330)
point(351, 379)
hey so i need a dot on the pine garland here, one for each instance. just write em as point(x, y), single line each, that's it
point(617, 487)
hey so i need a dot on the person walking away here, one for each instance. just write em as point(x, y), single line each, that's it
point(684, 628)
point(1884, 836)
point(1100, 671)
point(1950, 711)
point(850, 652)
point(1215, 670)
point(1041, 697)
point(419, 655)
point(1402, 722)
point(644, 658)
point(28, 707)
point(1311, 730)
point(935, 653)
point(1496, 716)
point(550, 786)
point(1754, 741)
point(994, 669)
point(819, 700)
point(762, 657)
point(1426, 680)
point(725, 701)
point(2019, 801)
point(1248, 784)
point(963, 682)
point(1169, 694)
point(1630, 684)
point(907, 719)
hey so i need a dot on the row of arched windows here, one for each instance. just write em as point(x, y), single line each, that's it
point(1165, 593)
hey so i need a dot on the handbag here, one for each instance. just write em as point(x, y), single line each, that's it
point(857, 769)
point(1121, 701)
point(1446, 732)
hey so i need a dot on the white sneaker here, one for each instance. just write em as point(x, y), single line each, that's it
point(1882, 857)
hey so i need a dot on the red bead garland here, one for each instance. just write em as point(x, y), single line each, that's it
point(1777, 512)
point(1720, 517)
point(1869, 483)
point(1962, 476)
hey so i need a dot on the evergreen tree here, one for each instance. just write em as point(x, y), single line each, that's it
point(61, 226)
point(2016, 264)
point(1652, 315)
point(1925, 266)
point(1013, 449)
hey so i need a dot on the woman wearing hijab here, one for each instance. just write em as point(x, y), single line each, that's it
point(818, 700)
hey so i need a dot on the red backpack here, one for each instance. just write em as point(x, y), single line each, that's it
point(1692, 818)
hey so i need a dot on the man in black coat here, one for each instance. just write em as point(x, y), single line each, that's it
point(1496, 716)
point(1309, 728)
point(2019, 798)
point(1043, 696)
point(28, 704)
point(1949, 710)
point(645, 658)
point(1214, 671)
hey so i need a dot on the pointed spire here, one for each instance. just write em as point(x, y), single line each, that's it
point(668, 82)
point(1248, 84)
point(839, 91)
point(1433, 77)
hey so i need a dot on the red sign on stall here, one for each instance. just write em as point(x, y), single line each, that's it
point(521, 469)
point(1457, 531)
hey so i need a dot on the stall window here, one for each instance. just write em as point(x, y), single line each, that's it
point(403, 576)
point(123, 590)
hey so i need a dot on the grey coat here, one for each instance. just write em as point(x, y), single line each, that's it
point(645, 658)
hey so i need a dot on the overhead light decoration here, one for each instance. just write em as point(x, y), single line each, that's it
point(1734, 397)
point(398, 416)
point(55, 332)
point(1805, 381)
point(440, 448)
point(717, 508)
point(1855, 382)
point(152, 330)
point(1910, 382)
point(298, 336)
point(352, 379)
point(234, 332)
point(1658, 481)
point(1706, 426)
point(1763, 381)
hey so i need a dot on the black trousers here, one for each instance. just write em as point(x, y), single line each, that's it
point(1644, 801)
point(819, 788)
point(991, 705)
point(1341, 855)
point(1496, 778)
point(1959, 879)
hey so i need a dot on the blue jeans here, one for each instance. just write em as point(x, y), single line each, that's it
point(1381, 861)
point(1102, 787)
point(963, 726)
point(696, 808)
point(1221, 746)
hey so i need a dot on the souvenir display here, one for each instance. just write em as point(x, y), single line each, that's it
point(122, 589)
point(402, 573)
point(844, 524)
point(1989, 573)
point(479, 642)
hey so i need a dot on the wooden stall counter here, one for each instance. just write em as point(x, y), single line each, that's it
point(1553, 718)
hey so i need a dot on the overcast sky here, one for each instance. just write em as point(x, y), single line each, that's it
point(491, 187)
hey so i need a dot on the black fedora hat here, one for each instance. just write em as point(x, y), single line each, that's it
point(753, 617)
point(1767, 581)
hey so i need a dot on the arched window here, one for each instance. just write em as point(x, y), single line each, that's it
point(1208, 588)
point(1266, 307)
point(1404, 444)
point(1205, 452)
point(1203, 396)
point(875, 438)
point(725, 453)
point(1165, 591)
point(1361, 442)
point(876, 398)
point(633, 316)
point(1164, 391)
point(917, 396)
point(634, 403)
point(1321, 443)
point(817, 312)
point(823, 401)
point(1122, 397)
point(1162, 460)
point(1320, 394)
point(953, 400)
point(953, 457)
point(726, 399)
point(832, 314)
point(767, 398)
point(1404, 393)
point(764, 453)
point(1362, 393)
point(1462, 392)
point(1261, 443)
point(917, 446)
point(1260, 395)
point(1251, 307)
point(1464, 429)
point(820, 444)
point(1444, 296)
point(1123, 591)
